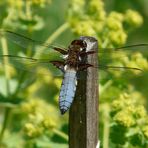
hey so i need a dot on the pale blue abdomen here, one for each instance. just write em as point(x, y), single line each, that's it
point(68, 89)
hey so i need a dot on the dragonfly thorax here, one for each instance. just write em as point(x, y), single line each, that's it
point(73, 58)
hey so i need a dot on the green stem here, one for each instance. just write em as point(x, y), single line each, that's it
point(7, 109)
point(59, 31)
point(51, 38)
point(106, 128)
point(61, 134)
point(5, 123)
point(6, 63)
point(28, 10)
point(105, 86)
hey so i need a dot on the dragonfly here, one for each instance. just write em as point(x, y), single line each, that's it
point(70, 64)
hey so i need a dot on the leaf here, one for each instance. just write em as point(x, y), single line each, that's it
point(137, 140)
point(117, 134)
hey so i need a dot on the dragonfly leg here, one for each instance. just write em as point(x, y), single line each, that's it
point(84, 66)
point(62, 51)
point(58, 64)
point(87, 53)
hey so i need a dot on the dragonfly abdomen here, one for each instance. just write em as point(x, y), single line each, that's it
point(68, 89)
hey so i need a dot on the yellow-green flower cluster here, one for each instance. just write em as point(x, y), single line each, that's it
point(77, 5)
point(80, 18)
point(41, 118)
point(21, 14)
point(124, 119)
point(32, 130)
point(136, 60)
point(118, 37)
point(145, 131)
point(96, 10)
point(75, 9)
point(133, 18)
point(127, 111)
point(84, 28)
point(92, 20)
point(48, 123)
point(120, 103)
point(20, 3)
point(140, 112)
point(114, 25)
point(117, 105)
point(114, 21)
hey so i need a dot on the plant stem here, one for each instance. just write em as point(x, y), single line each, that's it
point(28, 10)
point(59, 31)
point(5, 122)
point(7, 109)
point(105, 86)
point(106, 127)
point(61, 134)
point(6, 62)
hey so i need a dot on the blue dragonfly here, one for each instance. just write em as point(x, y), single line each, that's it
point(67, 61)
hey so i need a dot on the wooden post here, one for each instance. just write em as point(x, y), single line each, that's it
point(83, 116)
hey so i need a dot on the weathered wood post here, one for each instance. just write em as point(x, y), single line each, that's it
point(83, 116)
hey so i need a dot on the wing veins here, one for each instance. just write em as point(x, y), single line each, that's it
point(18, 39)
point(128, 47)
point(119, 67)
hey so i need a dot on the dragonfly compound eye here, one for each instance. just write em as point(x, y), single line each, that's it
point(81, 43)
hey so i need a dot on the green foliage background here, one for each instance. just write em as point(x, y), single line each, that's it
point(29, 102)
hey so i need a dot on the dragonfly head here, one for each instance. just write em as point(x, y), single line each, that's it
point(79, 45)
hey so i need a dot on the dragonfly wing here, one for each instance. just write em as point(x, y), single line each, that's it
point(122, 63)
point(26, 42)
point(32, 65)
point(143, 47)
point(36, 58)
point(133, 57)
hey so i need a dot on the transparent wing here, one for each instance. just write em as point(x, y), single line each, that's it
point(130, 48)
point(123, 62)
point(34, 55)
point(32, 65)
point(132, 57)
point(115, 59)
point(28, 43)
